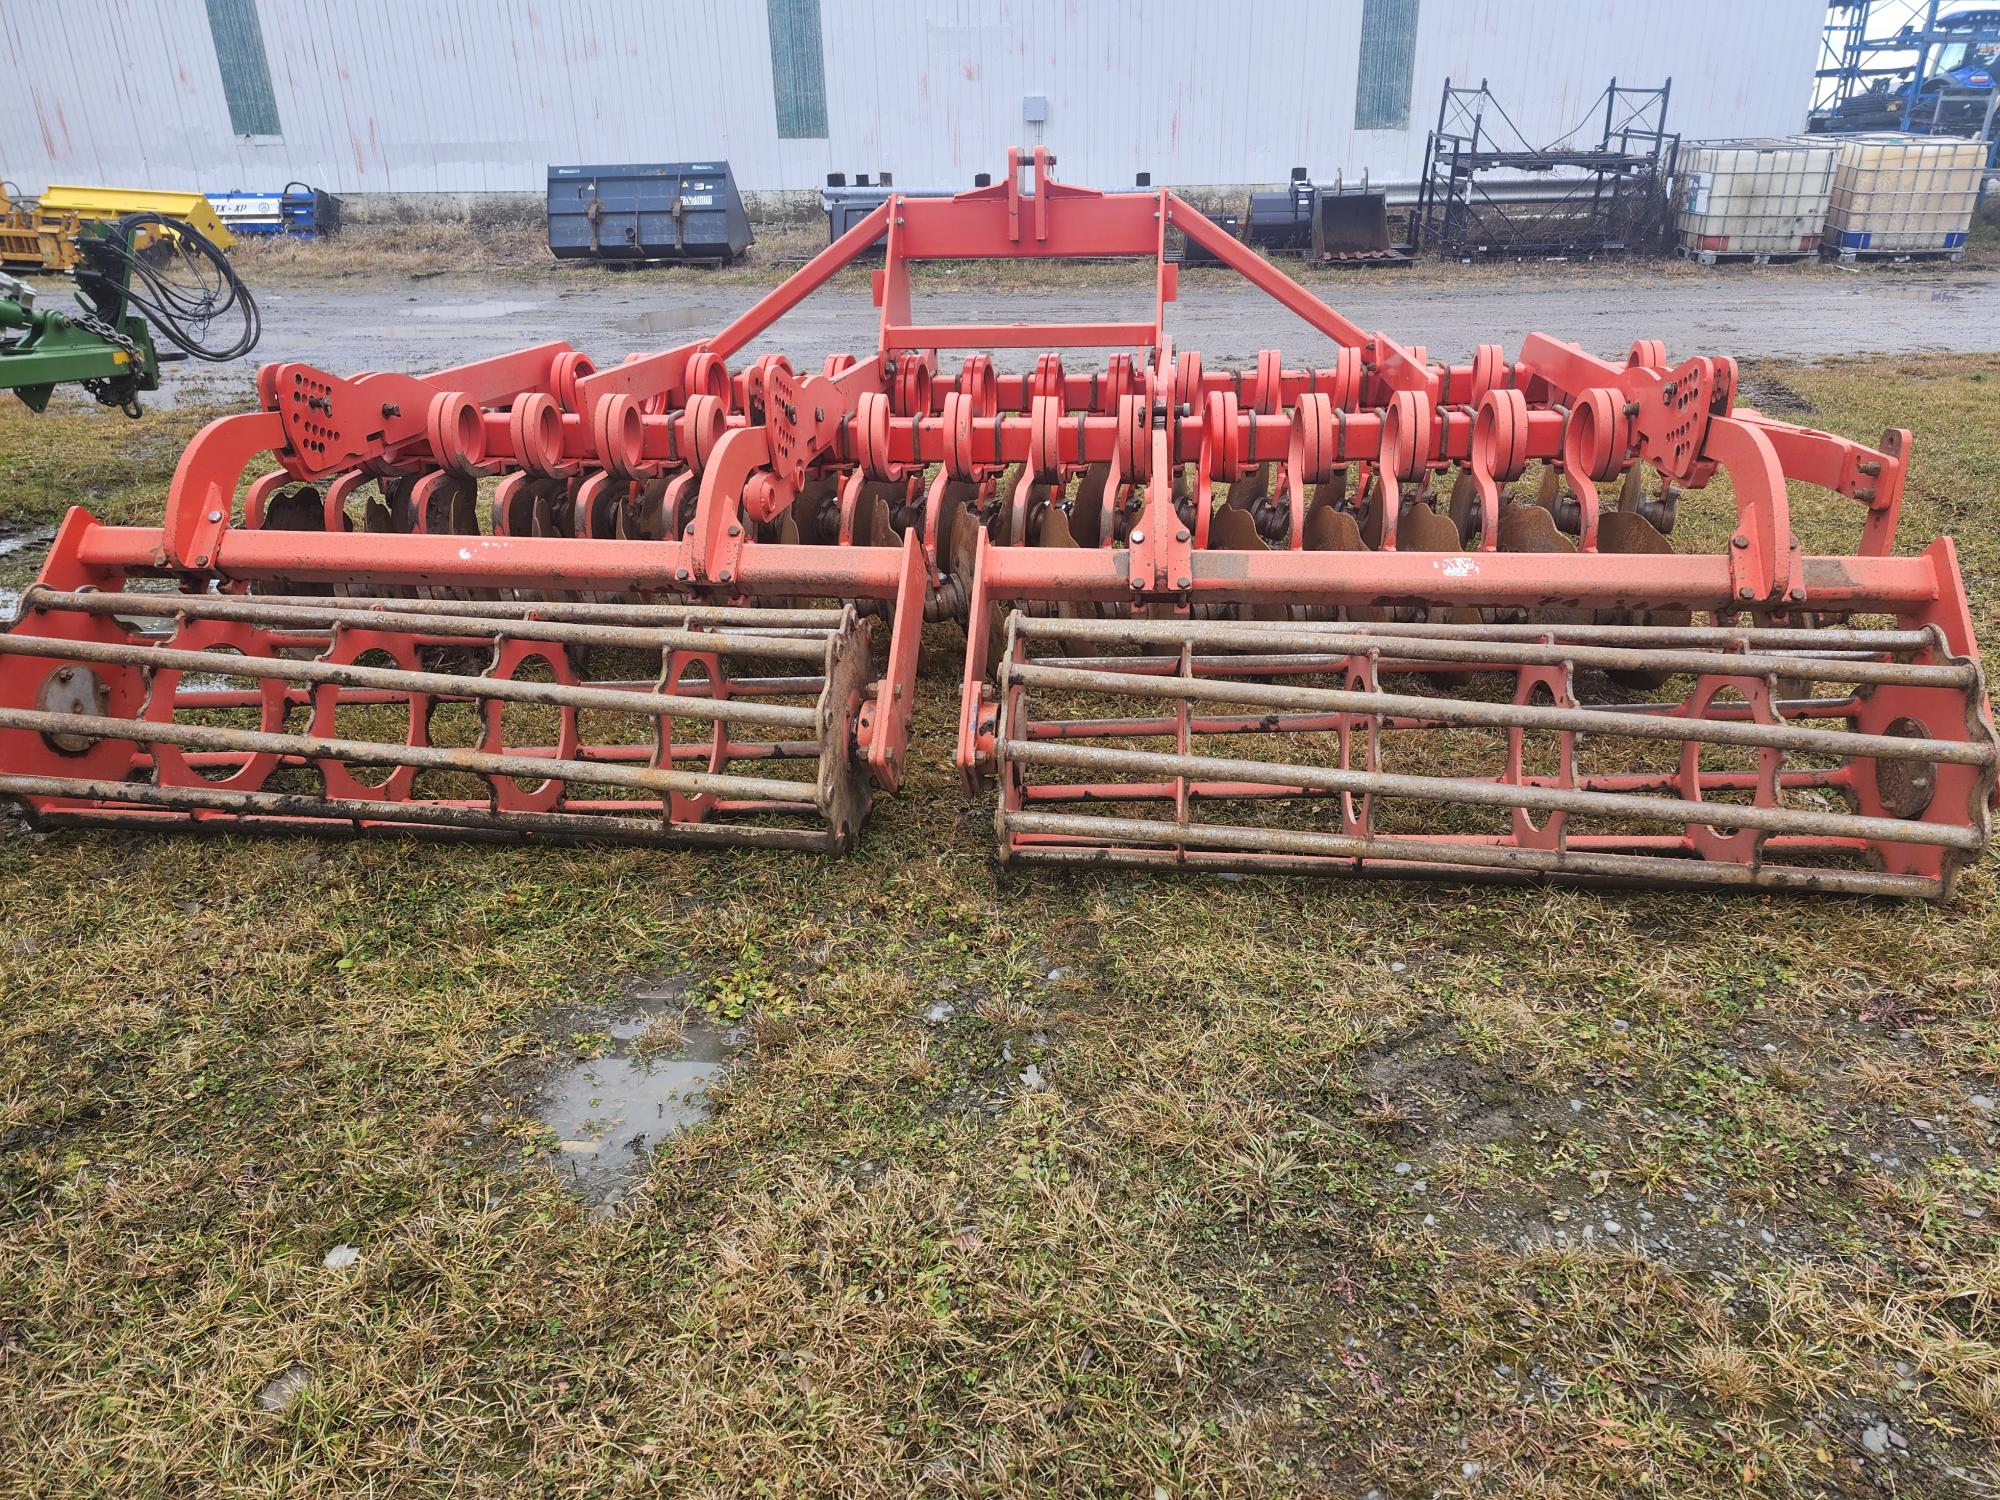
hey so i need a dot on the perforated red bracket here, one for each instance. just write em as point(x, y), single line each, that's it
point(803, 416)
point(1670, 414)
point(331, 424)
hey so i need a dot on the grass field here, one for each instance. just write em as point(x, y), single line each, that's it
point(1330, 1187)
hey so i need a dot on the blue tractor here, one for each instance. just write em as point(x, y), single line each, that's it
point(1948, 88)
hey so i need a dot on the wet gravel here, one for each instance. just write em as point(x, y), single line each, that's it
point(440, 321)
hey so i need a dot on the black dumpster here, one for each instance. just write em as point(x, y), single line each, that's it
point(672, 211)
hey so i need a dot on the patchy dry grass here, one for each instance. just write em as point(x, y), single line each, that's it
point(499, 252)
point(518, 250)
point(1442, 1190)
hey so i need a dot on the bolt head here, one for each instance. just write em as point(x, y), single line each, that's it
point(1181, 535)
point(1185, 583)
point(1746, 593)
point(1138, 537)
point(215, 515)
point(735, 530)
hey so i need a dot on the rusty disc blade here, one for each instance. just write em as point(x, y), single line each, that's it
point(1532, 528)
point(1626, 531)
point(1233, 529)
point(1086, 511)
point(1330, 530)
point(1422, 529)
point(1465, 517)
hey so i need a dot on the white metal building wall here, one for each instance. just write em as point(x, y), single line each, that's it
point(423, 96)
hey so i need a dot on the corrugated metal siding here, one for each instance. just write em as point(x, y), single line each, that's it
point(480, 95)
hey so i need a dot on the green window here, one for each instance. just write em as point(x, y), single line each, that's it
point(1388, 58)
point(246, 72)
point(798, 69)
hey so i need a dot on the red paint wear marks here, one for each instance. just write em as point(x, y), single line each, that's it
point(42, 123)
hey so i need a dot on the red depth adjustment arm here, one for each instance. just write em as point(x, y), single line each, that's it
point(317, 425)
point(1685, 423)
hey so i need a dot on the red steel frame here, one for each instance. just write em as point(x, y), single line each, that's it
point(677, 478)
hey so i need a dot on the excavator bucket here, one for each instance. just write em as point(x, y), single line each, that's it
point(1540, 617)
point(1351, 226)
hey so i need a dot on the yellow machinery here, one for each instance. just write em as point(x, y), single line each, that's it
point(28, 242)
point(102, 203)
point(42, 235)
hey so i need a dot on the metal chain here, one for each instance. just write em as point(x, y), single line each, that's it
point(120, 391)
point(89, 322)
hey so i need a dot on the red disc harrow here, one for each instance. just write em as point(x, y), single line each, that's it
point(1385, 616)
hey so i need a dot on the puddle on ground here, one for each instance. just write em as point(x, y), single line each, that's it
point(1886, 289)
point(673, 319)
point(611, 1112)
point(487, 308)
point(21, 554)
point(20, 541)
